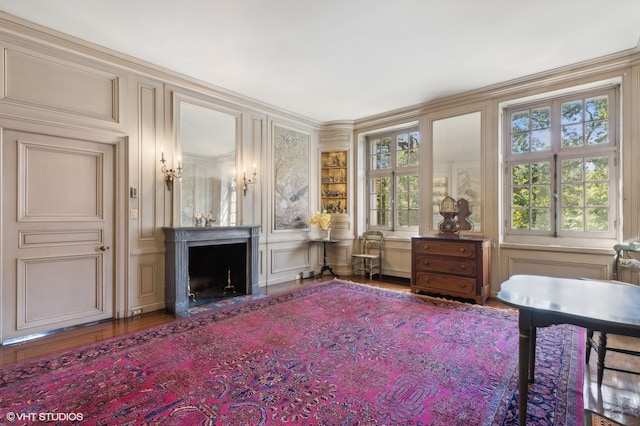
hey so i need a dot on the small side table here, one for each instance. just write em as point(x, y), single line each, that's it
point(325, 266)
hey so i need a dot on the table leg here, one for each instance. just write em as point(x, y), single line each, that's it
point(532, 353)
point(602, 351)
point(523, 375)
point(524, 351)
point(325, 266)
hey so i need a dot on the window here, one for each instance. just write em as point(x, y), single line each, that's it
point(392, 176)
point(561, 166)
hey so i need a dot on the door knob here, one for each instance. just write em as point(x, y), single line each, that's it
point(104, 248)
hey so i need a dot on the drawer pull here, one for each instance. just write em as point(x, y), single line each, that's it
point(462, 249)
point(463, 267)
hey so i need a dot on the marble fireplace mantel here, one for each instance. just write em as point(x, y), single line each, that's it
point(179, 240)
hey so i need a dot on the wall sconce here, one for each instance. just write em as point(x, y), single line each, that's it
point(246, 182)
point(170, 174)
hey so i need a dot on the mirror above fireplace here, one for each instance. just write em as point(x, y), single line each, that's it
point(206, 135)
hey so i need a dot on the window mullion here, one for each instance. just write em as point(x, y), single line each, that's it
point(394, 183)
point(555, 195)
point(556, 138)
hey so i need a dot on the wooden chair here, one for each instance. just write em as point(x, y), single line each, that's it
point(369, 260)
point(626, 270)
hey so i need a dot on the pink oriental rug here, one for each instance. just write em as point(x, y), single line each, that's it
point(336, 353)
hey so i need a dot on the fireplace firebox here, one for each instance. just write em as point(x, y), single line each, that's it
point(217, 270)
point(213, 260)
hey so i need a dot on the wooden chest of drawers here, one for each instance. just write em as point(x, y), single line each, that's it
point(455, 267)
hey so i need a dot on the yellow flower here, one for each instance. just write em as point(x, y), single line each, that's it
point(323, 220)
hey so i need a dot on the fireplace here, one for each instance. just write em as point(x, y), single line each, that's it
point(217, 260)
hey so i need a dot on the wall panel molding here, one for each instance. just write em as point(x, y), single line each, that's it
point(148, 175)
point(47, 238)
point(39, 81)
point(40, 280)
point(557, 268)
point(147, 279)
point(38, 201)
point(289, 259)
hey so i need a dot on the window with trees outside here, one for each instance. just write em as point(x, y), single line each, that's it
point(392, 180)
point(561, 166)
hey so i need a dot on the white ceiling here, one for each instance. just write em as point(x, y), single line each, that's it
point(347, 59)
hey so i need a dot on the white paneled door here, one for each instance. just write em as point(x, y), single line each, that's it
point(57, 233)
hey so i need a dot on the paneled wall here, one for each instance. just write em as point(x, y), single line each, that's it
point(62, 185)
point(533, 257)
point(556, 262)
point(73, 94)
point(75, 97)
point(147, 211)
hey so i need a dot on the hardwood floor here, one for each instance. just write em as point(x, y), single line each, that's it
point(618, 398)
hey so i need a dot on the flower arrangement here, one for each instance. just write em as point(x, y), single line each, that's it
point(323, 220)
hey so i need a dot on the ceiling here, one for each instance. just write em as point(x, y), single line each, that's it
point(347, 59)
